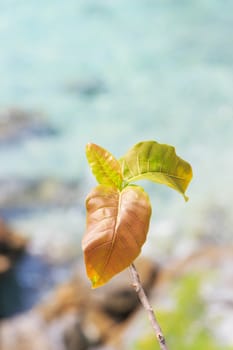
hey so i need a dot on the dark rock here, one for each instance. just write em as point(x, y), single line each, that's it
point(12, 246)
point(121, 304)
point(24, 277)
point(74, 338)
point(10, 294)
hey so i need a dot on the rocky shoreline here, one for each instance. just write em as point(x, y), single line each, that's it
point(73, 316)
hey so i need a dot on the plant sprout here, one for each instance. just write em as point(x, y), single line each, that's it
point(119, 212)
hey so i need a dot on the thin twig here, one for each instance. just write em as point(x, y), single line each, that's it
point(145, 302)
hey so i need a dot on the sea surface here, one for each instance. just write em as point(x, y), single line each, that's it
point(116, 72)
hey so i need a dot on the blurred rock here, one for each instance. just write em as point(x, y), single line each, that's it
point(12, 246)
point(5, 263)
point(20, 196)
point(75, 339)
point(101, 309)
point(17, 124)
point(26, 332)
point(88, 88)
point(75, 316)
point(214, 264)
point(118, 298)
point(69, 297)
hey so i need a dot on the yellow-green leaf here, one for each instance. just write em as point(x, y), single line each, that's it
point(158, 163)
point(104, 166)
point(117, 226)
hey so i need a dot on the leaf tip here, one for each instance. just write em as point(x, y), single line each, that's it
point(88, 146)
point(95, 282)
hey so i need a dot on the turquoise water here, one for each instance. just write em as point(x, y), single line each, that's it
point(115, 73)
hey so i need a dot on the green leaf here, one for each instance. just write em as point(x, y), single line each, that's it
point(117, 226)
point(158, 163)
point(104, 166)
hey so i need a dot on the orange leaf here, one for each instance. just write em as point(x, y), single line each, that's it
point(117, 226)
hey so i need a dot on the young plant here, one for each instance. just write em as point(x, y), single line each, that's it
point(118, 211)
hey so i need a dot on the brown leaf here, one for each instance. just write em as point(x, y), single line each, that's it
point(117, 226)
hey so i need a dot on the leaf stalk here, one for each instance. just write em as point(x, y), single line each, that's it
point(145, 302)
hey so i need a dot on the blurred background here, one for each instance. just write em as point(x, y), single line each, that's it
point(114, 72)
